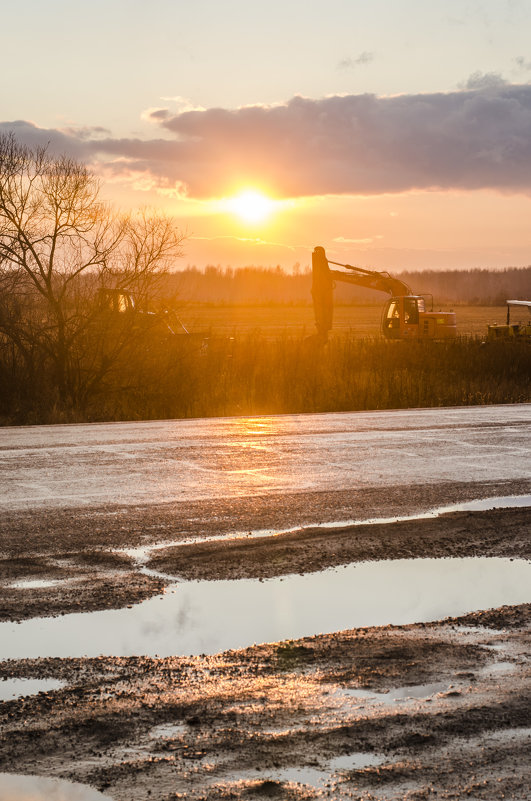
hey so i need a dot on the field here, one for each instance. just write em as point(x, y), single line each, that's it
point(297, 320)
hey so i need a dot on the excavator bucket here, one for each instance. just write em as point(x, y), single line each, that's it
point(322, 293)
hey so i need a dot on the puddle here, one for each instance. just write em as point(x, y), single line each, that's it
point(34, 584)
point(355, 762)
point(391, 698)
point(142, 553)
point(168, 730)
point(358, 694)
point(20, 688)
point(507, 735)
point(38, 788)
point(498, 669)
point(318, 777)
point(484, 504)
point(418, 691)
point(206, 617)
point(477, 505)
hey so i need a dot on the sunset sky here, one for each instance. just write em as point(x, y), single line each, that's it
point(395, 133)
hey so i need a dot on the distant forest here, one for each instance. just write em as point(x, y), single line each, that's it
point(258, 285)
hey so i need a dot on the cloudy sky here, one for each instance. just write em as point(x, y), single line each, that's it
point(395, 133)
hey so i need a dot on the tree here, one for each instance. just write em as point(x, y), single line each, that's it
point(59, 243)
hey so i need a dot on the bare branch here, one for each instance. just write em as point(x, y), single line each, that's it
point(58, 242)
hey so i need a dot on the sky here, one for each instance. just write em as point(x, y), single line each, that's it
point(395, 133)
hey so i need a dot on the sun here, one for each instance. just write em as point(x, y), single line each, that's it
point(251, 206)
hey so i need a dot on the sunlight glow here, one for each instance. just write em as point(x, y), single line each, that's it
point(251, 206)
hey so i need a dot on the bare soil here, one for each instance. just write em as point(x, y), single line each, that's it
point(437, 710)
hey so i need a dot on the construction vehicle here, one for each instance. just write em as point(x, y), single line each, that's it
point(404, 315)
point(512, 330)
point(123, 302)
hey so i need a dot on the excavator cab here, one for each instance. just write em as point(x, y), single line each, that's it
point(401, 317)
point(405, 317)
point(115, 300)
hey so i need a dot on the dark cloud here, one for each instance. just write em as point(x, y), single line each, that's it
point(522, 63)
point(66, 142)
point(360, 144)
point(159, 114)
point(485, 80)
point(86, 133)
point(350, 63)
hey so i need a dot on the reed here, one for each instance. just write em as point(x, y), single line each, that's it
point(252, 375)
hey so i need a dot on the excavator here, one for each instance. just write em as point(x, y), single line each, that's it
point(404, 315)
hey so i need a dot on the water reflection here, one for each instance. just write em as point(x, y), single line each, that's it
point(20, 688)
point(36, 584)
point(38, 788)
point(211, 616)
point(167, 731)
point(348, 695)
point(318, 777)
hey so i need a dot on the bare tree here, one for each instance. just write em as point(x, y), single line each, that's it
point(58, 243)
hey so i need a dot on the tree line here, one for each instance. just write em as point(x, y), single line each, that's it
point(254, 285)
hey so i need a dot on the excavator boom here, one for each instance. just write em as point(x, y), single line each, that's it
point(381, 281)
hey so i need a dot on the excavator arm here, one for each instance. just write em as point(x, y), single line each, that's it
point(323, 284)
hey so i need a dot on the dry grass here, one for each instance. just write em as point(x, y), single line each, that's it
point(259, 361)
point(252, 375)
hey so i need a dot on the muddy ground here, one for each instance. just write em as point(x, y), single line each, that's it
point(437, 710)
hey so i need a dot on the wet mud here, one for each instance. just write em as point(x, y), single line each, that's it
point(86, 549)
point(499, 532)
point(433, 710)
point(257, 723)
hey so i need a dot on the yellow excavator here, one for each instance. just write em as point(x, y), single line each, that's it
point(404, 315)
